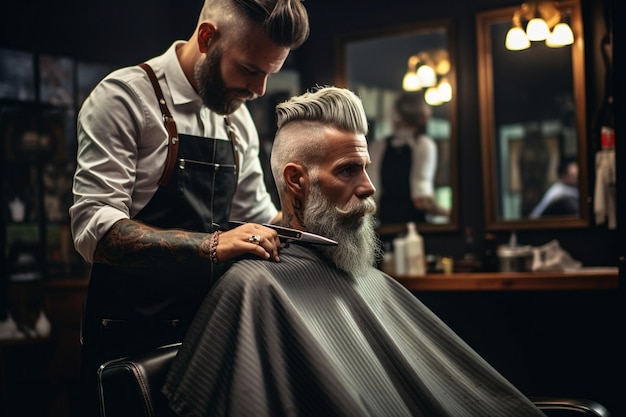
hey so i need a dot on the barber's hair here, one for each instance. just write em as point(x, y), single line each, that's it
point(285, 22)
point(301, 122)
point(413, 109)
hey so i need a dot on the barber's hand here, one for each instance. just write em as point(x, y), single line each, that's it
point(248, 238)
point(430, 205)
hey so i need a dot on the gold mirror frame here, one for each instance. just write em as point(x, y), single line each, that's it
point(489, 132)
point(385, 40)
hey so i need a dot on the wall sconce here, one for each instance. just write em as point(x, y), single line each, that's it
point(544, 22)
point(428, 70)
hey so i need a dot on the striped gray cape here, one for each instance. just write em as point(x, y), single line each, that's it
point(302, 338)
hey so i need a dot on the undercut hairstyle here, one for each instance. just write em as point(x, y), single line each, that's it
point(301, 122)
point(285, 22)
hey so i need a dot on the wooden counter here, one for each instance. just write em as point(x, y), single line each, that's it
point(586, 279)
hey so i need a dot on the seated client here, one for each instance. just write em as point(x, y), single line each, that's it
point(323, 332)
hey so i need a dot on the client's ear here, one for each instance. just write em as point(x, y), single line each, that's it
point(296, 179)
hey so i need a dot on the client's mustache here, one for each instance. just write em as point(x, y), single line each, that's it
point(358, 208)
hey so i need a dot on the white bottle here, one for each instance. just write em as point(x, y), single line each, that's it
point(414, 250)
point(399, 256)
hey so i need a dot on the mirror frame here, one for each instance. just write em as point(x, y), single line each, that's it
point(488, 134)
point(342, 40)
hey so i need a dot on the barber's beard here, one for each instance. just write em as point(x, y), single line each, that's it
point(351, 226)
point(211, 86)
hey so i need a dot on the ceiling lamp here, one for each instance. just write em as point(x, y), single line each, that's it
point(543, 21)
point(428, 69)
point(560, 35)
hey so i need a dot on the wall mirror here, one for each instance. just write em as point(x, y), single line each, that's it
point(374, 65)
point(532, 110)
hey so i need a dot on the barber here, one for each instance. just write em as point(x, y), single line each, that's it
point(167, 154)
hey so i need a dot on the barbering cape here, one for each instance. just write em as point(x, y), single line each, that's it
point(302, 338)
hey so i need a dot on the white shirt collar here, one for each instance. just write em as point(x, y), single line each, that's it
point(180, 89)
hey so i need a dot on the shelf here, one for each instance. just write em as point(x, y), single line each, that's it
point(586, 279)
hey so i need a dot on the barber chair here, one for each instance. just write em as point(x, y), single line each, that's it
point(564, 407)
point(132, 387)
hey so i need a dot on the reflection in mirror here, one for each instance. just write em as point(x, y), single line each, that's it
point(412, 62)
point(532, 126)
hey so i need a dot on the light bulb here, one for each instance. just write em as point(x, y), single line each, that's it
point(427, 76)
point(443, 67)
point(561, 35)
point(410, 82)
point(537, 29)
point(432, 97)
point(516, 39)
point(445, 90)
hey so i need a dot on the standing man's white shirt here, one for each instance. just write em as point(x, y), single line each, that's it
point(121, 130)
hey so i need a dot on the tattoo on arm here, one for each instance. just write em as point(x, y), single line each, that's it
point(132, 243)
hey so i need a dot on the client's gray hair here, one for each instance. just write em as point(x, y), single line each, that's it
point(301, 121)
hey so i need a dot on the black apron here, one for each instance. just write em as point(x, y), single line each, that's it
point(396, 204)
point(129, 310)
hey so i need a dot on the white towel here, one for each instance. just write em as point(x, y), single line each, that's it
point(552, 257)
point(604, 204)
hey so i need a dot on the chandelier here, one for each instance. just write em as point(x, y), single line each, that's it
point(429, 70)
point(538, 21)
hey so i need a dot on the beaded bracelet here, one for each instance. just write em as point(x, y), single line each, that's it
point(213, 247)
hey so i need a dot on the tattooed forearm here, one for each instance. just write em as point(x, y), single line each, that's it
point(132, 243)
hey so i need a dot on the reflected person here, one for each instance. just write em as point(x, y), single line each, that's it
point(323, 332)
point(561, 198)
point(404, 165)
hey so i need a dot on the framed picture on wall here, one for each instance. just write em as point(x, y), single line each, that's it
point(17, 75)
point(56, 80)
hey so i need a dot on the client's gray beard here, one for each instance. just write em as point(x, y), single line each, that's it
point(359, 247)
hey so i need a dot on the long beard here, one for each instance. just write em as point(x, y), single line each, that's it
point(359, 248)
point(211, 86)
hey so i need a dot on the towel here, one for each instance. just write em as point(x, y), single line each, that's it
point(604, 205)
point(552, 257)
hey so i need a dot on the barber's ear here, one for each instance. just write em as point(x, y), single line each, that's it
point(206, 32)
point(296, 179)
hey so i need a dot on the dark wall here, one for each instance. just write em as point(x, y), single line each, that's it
point(116, 32)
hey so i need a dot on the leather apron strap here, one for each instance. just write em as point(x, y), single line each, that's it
point(230, 130)
point(170, 126)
